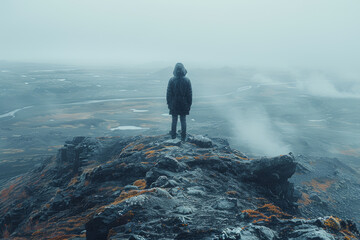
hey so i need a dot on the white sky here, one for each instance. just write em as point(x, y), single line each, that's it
point(306, 33)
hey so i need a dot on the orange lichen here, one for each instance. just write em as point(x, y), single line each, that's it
point(127, 146)
point(112, 188)
point(126, 195)
point(141, 183)
point(305, 199)
point(355, 152)
point(253, 213)
point(138, 147)
point(183, 157)
point(319, 185)
point(150, 154)
point(67, 229)
point(266, 213)
point(333, 223)
point(123, 196)
point(86, 183)
point(274, 209)
point(5, 194)
point(111, 233)
point(205, 156)
point(73, 181)
point(231, 192)
point(261, 220)
point(348, 234)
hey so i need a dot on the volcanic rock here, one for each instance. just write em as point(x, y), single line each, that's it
point(152, 187)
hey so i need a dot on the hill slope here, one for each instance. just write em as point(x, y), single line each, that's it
point(158, 188)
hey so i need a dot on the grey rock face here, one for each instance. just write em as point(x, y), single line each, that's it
point(200, 141)
point(153, 188)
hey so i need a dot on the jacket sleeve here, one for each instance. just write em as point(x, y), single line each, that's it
point(169, 93)
point(189, 100)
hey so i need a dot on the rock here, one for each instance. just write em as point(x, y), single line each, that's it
point(130, 187)
point(171, 164)
point(249, 233)
point(154, 188)
point(272, 170)
point(332, 222)
point(196, 191)
point(225, 204)
point(163, 193)
point(315, 197)
point(161, 181)
point(136, 237)
point(201, 141)
point(184, 210)
point(171, 183)
point(172, 142)
point(312, 234)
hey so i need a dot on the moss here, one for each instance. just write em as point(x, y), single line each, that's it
point(231, 192)
point(253, 213)
point(138, 147)
point(319, 185)
point(73, 181)
point(141, 183)
point(266, 213)
point(274, 209)
point(305, 199)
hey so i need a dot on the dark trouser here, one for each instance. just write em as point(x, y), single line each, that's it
point(174, 123)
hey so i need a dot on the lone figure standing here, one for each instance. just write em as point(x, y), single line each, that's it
point(179, 99)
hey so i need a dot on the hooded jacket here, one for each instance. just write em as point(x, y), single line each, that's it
point(179, 92)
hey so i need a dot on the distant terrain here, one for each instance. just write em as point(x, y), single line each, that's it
point(261, 112)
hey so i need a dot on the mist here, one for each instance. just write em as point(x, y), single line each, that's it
point(272, 75)
point(315, 34)
point(254, 129)
point(319, 84)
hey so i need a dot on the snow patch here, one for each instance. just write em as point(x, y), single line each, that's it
point(127, 128)
point(139, 110)
point(319, 120)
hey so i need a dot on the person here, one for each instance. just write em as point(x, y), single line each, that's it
point(179, 99)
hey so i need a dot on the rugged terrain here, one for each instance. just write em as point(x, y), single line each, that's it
point(157, 188)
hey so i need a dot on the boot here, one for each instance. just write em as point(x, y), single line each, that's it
point(173, 135)
point(183, 137)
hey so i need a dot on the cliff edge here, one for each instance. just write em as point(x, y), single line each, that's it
point(153, 187)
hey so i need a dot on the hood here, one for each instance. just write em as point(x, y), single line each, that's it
point(179, 70)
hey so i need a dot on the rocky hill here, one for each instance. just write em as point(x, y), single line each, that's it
point(157, 188)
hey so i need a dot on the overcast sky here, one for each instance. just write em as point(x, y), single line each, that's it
point(306, 33)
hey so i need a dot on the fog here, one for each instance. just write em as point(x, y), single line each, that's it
point(274, 77)
point(281, 33)
point(318, 84)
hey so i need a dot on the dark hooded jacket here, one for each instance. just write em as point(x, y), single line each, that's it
point(179, 92)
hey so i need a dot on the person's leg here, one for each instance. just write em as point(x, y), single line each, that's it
point(183, 127)
point(173, 126)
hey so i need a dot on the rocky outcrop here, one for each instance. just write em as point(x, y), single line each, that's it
point(159, 188)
